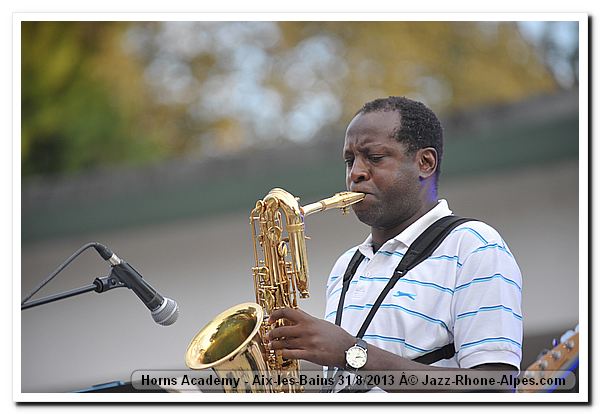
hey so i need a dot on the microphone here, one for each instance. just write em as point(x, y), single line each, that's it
point(164, 310)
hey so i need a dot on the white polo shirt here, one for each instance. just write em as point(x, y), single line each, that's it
point(467, 292)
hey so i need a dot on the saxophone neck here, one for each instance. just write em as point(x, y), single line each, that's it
point(340, 200)
point(278, 198)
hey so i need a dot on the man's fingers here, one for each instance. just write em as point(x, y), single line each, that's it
point(286, 343)
point(292, 315)
point(294, 354)
point(283, 332)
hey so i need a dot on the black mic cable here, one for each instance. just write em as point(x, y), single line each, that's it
point(101, 249)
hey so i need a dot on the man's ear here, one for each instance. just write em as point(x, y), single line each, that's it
point(427, 159)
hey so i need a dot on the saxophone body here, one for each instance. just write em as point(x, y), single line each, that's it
point(235, 342)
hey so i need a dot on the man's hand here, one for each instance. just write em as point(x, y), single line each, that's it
point(309, 338)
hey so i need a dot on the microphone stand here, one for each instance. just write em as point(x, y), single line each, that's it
point(100, 285)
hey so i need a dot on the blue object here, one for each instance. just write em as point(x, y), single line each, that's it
point(104, 386)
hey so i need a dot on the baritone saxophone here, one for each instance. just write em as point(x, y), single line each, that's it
point(235, 342)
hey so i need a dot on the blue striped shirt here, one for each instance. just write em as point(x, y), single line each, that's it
point(467, 292)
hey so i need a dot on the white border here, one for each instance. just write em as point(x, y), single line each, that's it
point(16, 230)
point(300, 16)
point(353, 16)
point(584, 172)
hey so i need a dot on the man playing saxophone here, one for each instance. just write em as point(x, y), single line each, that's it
point(465, 296)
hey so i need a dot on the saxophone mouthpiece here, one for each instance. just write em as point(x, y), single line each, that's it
point(341, 200)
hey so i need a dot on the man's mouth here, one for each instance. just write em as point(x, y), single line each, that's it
point(368, 196)
point(359, 191)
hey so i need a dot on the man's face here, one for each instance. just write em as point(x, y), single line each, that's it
point(377, 164)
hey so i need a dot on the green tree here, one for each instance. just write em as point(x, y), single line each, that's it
point(83, 101)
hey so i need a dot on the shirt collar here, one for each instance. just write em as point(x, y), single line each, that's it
point(414, 230)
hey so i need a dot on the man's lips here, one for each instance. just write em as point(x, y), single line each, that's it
point(366, 193)
point(368, 196)
point(357, 190)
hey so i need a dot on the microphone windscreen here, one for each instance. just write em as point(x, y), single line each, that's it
point(167, 313)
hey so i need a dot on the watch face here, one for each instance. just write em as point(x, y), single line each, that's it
point(356, 357)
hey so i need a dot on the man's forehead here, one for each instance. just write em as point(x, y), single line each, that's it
point(371, 142)
point(386, 122)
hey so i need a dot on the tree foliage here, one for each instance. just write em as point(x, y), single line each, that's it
point(83, 100)
point(101, 93)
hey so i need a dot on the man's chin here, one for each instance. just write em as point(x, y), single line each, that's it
point(365, 215)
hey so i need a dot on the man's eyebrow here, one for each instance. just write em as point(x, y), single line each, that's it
point(368, 147)
point(374, 146)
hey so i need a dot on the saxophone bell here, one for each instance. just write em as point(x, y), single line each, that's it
point(231, 345)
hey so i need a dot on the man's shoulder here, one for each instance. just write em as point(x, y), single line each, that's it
point(344, 258)
point(480, 225)
point(473, 234)
point(476, 237)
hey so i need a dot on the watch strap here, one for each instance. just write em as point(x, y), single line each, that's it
point(362, 343)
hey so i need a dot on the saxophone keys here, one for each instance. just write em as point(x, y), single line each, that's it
point(274, 233)
point(282, 249)
point(259, 208)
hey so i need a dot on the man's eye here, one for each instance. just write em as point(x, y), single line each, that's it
point(375, 158)
point(348, 162)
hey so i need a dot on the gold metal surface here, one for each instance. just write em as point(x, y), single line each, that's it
point(236, 340)
point(231, 345)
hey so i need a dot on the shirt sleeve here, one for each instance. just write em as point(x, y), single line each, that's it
point(486, 306)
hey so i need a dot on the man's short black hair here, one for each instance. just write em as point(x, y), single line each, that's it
point(419, 127)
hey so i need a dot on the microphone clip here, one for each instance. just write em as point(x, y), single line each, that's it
point(106, 283)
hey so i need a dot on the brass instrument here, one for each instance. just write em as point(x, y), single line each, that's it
point(234, 343)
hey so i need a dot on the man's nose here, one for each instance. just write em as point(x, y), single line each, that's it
point(359, 171)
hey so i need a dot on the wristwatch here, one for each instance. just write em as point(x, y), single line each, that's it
point(356, 355)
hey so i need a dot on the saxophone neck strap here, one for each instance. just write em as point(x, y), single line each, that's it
point(350, 271)
point(418, 251)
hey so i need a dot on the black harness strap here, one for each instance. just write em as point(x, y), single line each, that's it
point(445, 352)
point(419, 250)
point(350, 271)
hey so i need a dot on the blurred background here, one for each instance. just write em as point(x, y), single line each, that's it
point(157, 138)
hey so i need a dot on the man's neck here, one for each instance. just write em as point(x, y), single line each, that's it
point(381, 235)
